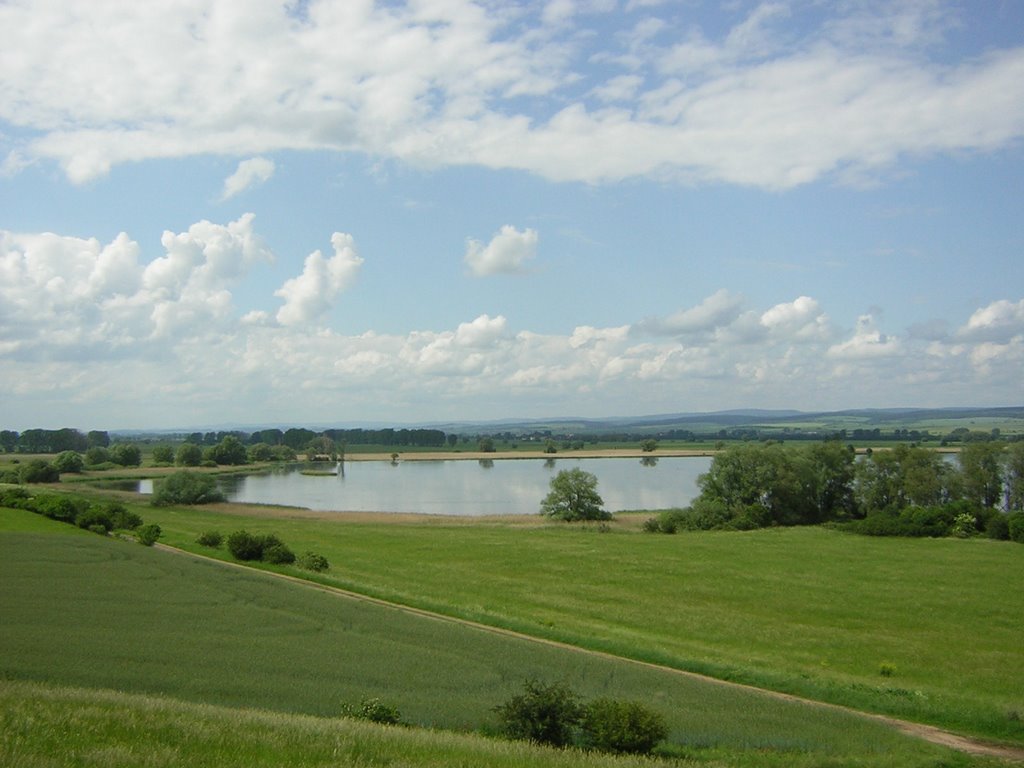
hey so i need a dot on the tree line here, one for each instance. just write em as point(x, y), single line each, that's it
point(908, 490)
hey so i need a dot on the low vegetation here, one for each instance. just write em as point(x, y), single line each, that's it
point(186, 487)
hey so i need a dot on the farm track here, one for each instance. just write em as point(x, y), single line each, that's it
point(928, 733)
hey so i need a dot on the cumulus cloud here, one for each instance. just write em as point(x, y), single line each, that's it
point(508, 252)
point(858, 88)
point(1000, 321)
point(313, 293)
point(250, 173)
point(719, 309)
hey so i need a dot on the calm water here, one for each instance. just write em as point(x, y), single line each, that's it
point(466, 487)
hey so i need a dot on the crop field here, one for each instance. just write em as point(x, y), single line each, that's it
point(927, 630)
point(87, 612)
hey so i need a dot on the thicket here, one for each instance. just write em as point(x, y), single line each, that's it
point(553, 714)
point(906, 491)
point(266, 548)
point(186, 487)
point(98, 517)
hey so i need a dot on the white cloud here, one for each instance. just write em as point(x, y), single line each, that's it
point(860, 87)
point(250, 173)
point(798, 320)
point(508, 252)
point(311, 294)
point(1000, 321)
point(719, 309)
point(866, 342)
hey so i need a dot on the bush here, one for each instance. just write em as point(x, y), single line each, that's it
point(188, 455)
point(545, 714)
point(15, 498)
point(69, 461)
point(95, 518)
point(148, 534)
point(212, 539)
point(38, 471)
point(998, 527)
point(97, 455)
point(163, 454)
point(311, 561)
point(622, 726)
point(126, 455)
point(62, 508)
point(122, 517)
point(373, 710)
point(245, 546)
point(187, 487)
point(278, 554)
point(1015, 527)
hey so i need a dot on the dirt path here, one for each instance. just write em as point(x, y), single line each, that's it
point(928, 733)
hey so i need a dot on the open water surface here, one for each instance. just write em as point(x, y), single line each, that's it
point(466, 487)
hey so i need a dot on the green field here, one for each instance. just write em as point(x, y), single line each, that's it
point(809, 611)
point(95, 613)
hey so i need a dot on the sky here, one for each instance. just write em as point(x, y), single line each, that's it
point(417, 211)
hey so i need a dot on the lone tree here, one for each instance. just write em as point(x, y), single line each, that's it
point(574, 496)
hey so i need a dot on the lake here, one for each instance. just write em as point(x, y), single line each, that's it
point(467, 487)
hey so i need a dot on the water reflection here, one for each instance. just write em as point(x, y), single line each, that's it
point(482, 487)
point(648, 461)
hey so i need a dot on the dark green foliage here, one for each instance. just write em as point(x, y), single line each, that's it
point(228, 451)
point(163, 454)
point(649, 446)
point(543, 713)
point(126, 455)
point(15, 498)
point(610, 725)
point(94, 519)
point(267, 548)
point(97, 454)
point(186, 487)
point(574, 496)
point(998, 527)
point(147, 535)
point(188, 455)
point(212, 539)
point(122, 517)
point(486, 445)
point(374, 710)
point(69, 461)
point(1015, 526)
point(63, 508)
point(38, 471)
point(311, 561)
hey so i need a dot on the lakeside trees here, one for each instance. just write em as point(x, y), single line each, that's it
point(908, 490)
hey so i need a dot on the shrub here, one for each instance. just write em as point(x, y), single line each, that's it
point(15, 498)
point(69, 461)
point(373, 710)
point(38, 471)
point(278, 554)
point(148, 534)
point(622, 726)
point(964, 525)
point(187, 487)
point(998, 527)
point(212, 539)
point(122, 517)
point(245, 546)
point(60, 508)
point(95, 518)
point(311, 561)
point(97, 455)
point(188, 455)
point(1015, 527)
point(163, 454)
point(546, 714)
point(126, 455)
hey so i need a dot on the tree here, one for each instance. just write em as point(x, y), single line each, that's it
point(574, 496)
point(545, 714)
point(96, 455)
point(126, 455)
point(163, 454)
point(229, 451)
point(69, 461)
point(980, 468)
point(188, 455)
point(649, 445)
point(486, 445)
point(1015, 476)
point(186, 487)
point(610, 725)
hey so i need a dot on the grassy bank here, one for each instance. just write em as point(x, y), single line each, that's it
point(924, 629)
point(84, 611)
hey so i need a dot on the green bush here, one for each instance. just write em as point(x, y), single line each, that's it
point(245, 546)
point(187, 487)
point(148, 534)
point(278, 554)
point(97, 455)
point(163, 454)
point(212, 539)
point(123, 518)
point(188, 455)
point(622, 726)
point(95, 518)
point(311, 561)
point(15, 498)
point(542, 713)
point(126, 455)
point(38, 471)
point(373, 710)
point(1015, 526)
point(998, 527)
point(69, 461)
point(62, 508)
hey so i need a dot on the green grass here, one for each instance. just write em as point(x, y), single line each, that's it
point(809, 611)
point(52, 727)
point(91, 612)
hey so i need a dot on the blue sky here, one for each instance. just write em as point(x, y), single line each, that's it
point(338, 211)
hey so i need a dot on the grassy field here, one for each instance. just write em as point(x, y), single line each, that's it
point(928, 630)
point(89, 612)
